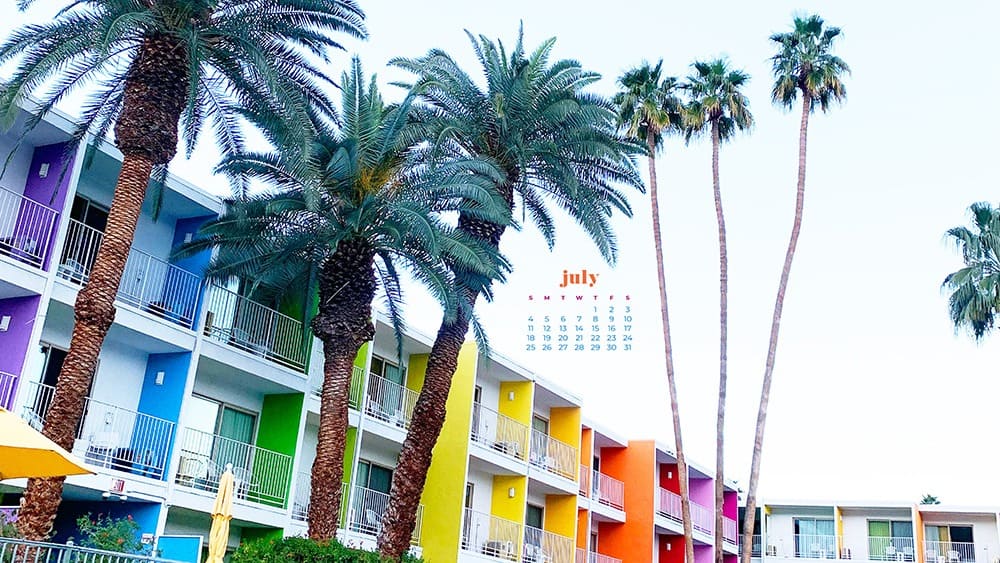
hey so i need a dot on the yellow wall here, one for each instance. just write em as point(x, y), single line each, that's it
point(520, 408)
point(445, 488)
point(560, 515)
point(564, 425)
point(502, 505)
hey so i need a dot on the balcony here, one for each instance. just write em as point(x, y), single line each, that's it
point(390, 402)
point(251, 327)
point(109, 436)
point(729, 531)
point(608, 490)
point(262, 476)
point(148, 283)
point(26, 228)
point(754, 545)
point(303, 493)
point(491, 536)
point(499, 432)
point(668, 505)
point(815, 546)
point(367, 510)
point(8, 387)
point(702, 518)
point(553, 455)
point(950, 552)
point(545, 547)
point(584, 556)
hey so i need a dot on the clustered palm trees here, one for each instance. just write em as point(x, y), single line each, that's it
point(354, 195)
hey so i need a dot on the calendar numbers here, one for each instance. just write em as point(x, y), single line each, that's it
point(566, 326)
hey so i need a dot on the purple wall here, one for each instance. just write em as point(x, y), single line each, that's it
point(48, 191)
point(703, 553)
point(703, 492)
point(14, 342)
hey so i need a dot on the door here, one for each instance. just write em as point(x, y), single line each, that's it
point(539, 441)
point(534, 519)
point(477, 402)
point(235, 433)
point(879, 532)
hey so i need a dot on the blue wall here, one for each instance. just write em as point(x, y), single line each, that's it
point(146, 514)
point(195, 264)
point(163, 401)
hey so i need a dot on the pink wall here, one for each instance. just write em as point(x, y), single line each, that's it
point(703, 492)
point(703, 554)
point(729, 507)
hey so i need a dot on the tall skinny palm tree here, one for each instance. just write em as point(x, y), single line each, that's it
point(342, 220)
point(719, 103)
point(156, 70)
point(648, 110)
point(974, 298)
point(556, 144)
point(806, 65)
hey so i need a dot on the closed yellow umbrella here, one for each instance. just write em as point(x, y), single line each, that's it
point(25, 452)
point(222, 513)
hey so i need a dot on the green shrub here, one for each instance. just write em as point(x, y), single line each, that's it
point(304, 550)
point(8, 524)
point(110, 534)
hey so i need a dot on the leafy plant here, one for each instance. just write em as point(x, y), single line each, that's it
point(8, 524)
point(303, 550)
point(110, 534)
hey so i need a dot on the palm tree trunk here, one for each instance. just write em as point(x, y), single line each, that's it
point(347, 287)
point(146, 133)
point(723, 343)
point(668, 356)
point(765, 392)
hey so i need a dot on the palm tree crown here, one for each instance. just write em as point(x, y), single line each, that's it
point(804, 62)
point(648, 105)
point(717, 97)
point(975, 289)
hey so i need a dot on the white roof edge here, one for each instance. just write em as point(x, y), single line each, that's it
point(603, 430)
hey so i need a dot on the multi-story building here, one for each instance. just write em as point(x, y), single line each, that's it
point(918, 533)
point(197, 375)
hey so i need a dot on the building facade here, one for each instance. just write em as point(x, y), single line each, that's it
point(195, 376)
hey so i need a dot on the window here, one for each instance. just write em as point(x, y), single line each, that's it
point(814, 538)
point(385, 391)
point(470, 490)
point(89, 213)
point(952, 542)
point(226, 432)
point(593, 542)
point(534, 517)
point(890, 540)
point(540, 424)
point(374, 477)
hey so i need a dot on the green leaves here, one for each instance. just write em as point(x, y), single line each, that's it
point(804, 63)
point(975, 289)
point(716, 96)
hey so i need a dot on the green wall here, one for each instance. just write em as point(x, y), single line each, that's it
point(278, 431)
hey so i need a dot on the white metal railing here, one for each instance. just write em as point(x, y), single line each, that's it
point(357, 388)
point(553, 455)
point(8, 385)
point(492, 536)
point(702, 518)
point(262, 476)
point(950, 552)
point(754, 545)
point(249, 326)
point(148, 283)
point(583, 556)
point(38, 552)
point(110, 436)
point(815, 546)
point(891, 549)
point(26, 228)
point(367, 510)
point(729, 530)
point(390, 402)
point(584, 481)
point(609, 491)
point(545, 547)
point(499, 432)
point(303, 494)
point(669, 505)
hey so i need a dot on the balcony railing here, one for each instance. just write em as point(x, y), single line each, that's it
point(729, 532)
point(390, 402)
point(357, 388)
point(492, 536)
point(754, 545)
point(702, 518)
point(553, 455)
point(148, 283)
point(26, 228)
point(950, 552)
point(499, 432)
point(303, 493)
point(584, 481)
point(608, 490)
point(247, 325)
point(262, 476)
point(668, 505)
point(38, 552)
point(367, 510)
point(545, 547)
point(815, 546)
point(8, 385)
point(583, 556)
point(110, 436)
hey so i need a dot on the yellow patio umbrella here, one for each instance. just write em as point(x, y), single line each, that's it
point(222, 513)
point(25, 452)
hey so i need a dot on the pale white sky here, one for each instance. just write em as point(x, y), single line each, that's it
point(875, 397)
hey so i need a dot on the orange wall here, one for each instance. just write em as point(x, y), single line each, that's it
point(582, 529)
point(587, 447)
point(636, 466)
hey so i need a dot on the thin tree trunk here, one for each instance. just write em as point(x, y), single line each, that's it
point(347, 287)
point(94, 314)
point(765, 393)
point(682, 469)
point(723, 343)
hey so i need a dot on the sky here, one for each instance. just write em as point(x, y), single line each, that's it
point(875, 396)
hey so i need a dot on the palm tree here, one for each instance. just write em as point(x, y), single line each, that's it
point(555, 143)
point(718, 102)
point(649, 109)
point(156, 70)
point(342, 220)
point(975, 289)
point(804, 64)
